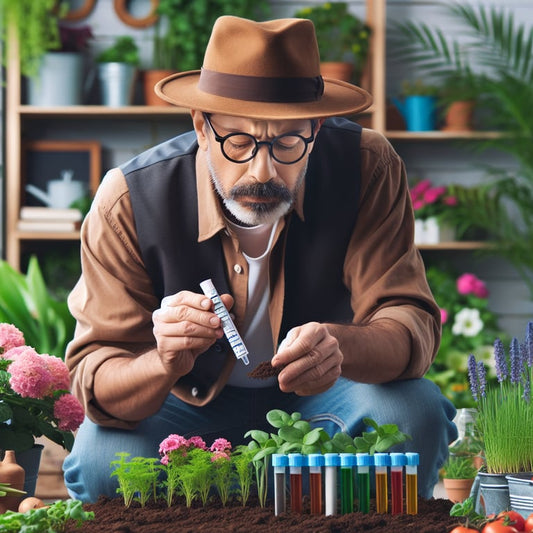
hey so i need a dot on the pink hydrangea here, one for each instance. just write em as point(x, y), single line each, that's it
point(30, 376)
point(69, 412)
point(59, 372)
point(470, 284)
point(171, 443)
point(197, 442)
point(10, 337)
point(13, 353)
point(443, 315)
point(221, 445)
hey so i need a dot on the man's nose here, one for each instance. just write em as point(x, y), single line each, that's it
point(262, 165)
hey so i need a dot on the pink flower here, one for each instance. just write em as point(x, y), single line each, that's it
point(171, 443)
point(420, 188)
point(450, 200)
point(197, 442)
point(221, 445)
point(13, 353)
point(10, 337)
point(59, 372)
point(418, 204)
point(443, 315)
point(432, 195)
point(480, 289)
point(30, 376)
point(69, 412)
point(217, 455)
point(466, 283)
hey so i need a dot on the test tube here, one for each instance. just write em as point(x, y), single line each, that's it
point(397, 461)
point(315, 461)
point(279, 462)
point(411, 482)
point(381, 464)
point(347, 493)
point(236, 343)
point(331, 461)
point(364, 462)
point(296, 461)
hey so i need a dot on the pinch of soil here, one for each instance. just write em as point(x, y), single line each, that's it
point(264, 370)
point(111, 516)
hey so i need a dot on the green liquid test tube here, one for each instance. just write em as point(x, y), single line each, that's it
point(332, 461)
point(381, 464)
point(347, 492)
point(364, 462)
point(280, 463)
point(411, 482)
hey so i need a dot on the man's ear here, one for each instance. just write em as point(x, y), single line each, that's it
point(199, 126)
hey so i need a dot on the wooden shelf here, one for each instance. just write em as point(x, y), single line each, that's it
point(440, 135)
point(100, 111)
point(455, 245)
point(47, 235)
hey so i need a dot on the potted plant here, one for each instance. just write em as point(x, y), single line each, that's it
point(343, 40)
point(418, 105)
point(457, 97)
point(117, 69)
point(458, 474)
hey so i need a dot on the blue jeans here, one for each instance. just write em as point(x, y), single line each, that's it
point(416, 406)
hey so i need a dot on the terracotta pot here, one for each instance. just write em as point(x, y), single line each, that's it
point(457, 490)
point(459, 116)
point(338, 70)
point(150, 78)
point(13, 474)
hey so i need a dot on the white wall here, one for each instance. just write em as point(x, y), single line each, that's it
point(441, 162)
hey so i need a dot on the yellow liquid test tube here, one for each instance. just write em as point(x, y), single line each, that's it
point(381, 464)
point(411, 482)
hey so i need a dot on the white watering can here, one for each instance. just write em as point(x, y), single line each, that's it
point(61, 193)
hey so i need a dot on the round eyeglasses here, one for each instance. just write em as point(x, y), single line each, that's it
point(239, 147)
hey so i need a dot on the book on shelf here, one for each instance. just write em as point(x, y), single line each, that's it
point(49, 225)
point(28, 212)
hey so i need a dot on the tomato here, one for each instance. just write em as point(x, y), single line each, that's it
point(498, 527)
point(30, 503)
point(528, 526)
point(463, 529)
point(515, 519)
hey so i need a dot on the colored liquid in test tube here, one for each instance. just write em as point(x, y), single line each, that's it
point(296, 461)
point(280, 463)
point(411, 482)
point(364, 462)
point(315, 462)
point(381, 464)
point(347, 488)
point(397, 461)
point(332, 461)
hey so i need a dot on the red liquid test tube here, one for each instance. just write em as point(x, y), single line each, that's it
point(315, 462)
point(398, 461)
point(296, 461)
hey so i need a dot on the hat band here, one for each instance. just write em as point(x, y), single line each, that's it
point(261, 89)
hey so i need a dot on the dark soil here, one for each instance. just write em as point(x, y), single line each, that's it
point(264, 370)
point(112, 517)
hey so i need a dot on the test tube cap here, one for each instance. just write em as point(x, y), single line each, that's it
point(280, 459)
point(348, 459)
point(364, 459)
point(297, 459)
point(381, 459)
point(315, 459)
point(413, 458)
point(332, 459)
point(398, 459)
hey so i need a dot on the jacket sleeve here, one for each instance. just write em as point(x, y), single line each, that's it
point(383, 269)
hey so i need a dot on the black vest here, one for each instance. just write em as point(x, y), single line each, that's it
point(162, 184)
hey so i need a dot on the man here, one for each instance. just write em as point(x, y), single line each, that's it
point(305, 226)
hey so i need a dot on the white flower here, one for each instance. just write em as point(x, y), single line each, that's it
point(467, 322)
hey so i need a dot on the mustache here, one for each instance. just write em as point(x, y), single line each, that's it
point(262, 190)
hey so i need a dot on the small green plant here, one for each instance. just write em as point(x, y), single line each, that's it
point(418, 88)
point(459, 467)
point(5, 489)
point(123, 50)
point(241, 459)
point(54, 518)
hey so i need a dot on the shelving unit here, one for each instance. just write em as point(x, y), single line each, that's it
point(17, 115)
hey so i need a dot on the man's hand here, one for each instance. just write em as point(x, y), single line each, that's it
point(311, 360)
point(184, 327)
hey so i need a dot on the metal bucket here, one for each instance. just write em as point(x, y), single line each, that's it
point(117, 82)
point(521, 492)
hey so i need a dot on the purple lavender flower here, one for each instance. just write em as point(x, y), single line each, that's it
point(472, 377)
point(482, 378)
point(529, 344)
point(499, 358)
point(527, 387)
point(516, 366)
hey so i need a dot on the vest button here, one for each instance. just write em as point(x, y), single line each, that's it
point(238, 269)
point(218, 347)
point(194, 392)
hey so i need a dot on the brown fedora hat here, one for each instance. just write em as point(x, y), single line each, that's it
point(265, 70)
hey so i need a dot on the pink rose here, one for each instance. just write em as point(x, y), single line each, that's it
point(480, 289)
point(10, 337)
point(69, 412)
point(466, 283)
point(30, 376)
point(443, 315)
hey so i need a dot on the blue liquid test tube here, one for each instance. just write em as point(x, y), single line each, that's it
point(280, 463)
point(332, 461)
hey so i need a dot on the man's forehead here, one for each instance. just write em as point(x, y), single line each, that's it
point(241, 123)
